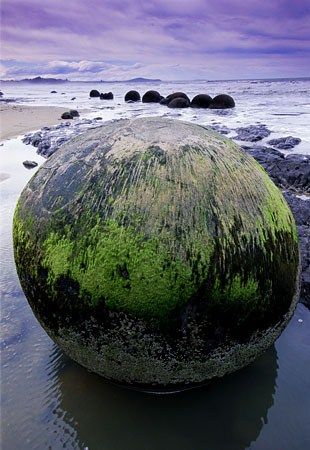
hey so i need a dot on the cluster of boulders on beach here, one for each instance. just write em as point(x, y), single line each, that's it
point(102, 96)
point(175, 100)
point(70, 114)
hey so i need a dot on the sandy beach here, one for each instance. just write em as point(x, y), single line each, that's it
point(18, 119)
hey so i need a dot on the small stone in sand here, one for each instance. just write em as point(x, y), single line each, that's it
point(30, 164)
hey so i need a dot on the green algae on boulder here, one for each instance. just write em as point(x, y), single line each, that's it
point(156, 253)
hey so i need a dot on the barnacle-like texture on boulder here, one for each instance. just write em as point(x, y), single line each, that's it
point(156, 253)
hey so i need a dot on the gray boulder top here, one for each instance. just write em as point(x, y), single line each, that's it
point(138, 133)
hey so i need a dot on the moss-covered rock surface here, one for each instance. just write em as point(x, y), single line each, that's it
point(156, 253)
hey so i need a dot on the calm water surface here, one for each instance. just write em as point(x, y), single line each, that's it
point(49, 402)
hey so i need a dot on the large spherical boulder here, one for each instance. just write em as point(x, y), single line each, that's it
point(222, 101)
point(201, 101)
point(156, 253)
point(171, 97)
point(94, 93)
point(132, 96)
point(151, 97)
point(178, 102)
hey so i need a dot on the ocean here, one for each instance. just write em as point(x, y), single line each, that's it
point(284, 106)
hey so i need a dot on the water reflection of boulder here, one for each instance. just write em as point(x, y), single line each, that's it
point(227, 414)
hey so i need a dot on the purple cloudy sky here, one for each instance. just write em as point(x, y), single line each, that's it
point(169, 39)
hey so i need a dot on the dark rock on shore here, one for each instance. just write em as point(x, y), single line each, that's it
point(33, 139)
point(179, 102)
point(53, 92)
point(66, 116)
point(41, 141)
point(30, 164)
point(151, 97)
point(301, 212)
point(264, 154)
point(285, 143)
point(201, 101)
point(292, 172)
point(49, 139)
point(133, 96)
point(73, 98)
point(107, 96)
point(252, 133)
point(222, 101)
point(94, 93)
point(222, 129)
point(304, 232)
point(44, 147)
point(300, 208)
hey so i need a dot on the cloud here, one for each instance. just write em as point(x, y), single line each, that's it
point(170, 39)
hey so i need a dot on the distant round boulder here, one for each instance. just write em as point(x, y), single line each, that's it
point(94, 93)
point(179, 102)
point(106, 96)
point(201, 101)
point(74, 113)
point(132, 96)
point(66, 115)
point(151, 97)
point(171, 97)
point(156, 253)
point(222, 101)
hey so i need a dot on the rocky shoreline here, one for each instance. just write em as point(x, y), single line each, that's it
point(291, 172)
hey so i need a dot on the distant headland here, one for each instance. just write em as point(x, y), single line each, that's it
point(37, 80)
point(41, 80)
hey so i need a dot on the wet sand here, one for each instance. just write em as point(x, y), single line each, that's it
point(19, 119)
